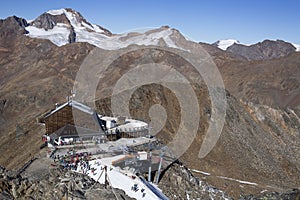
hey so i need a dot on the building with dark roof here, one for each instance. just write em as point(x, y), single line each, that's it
point(75, 114)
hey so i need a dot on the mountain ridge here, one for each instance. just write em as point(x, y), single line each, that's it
point(65, 26)
point(267, 49)
point(225, 43)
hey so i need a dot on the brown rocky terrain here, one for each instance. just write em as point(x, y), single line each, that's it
point(260, 139)
point(258, 143)
point(54, 184)
point(270, 82)
point(265, 50)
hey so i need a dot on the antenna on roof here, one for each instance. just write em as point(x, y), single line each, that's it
point(73, 93)
point(68, 99)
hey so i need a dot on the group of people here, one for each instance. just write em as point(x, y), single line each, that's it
point(80, 163)
point(135, 188)
point(76, 162)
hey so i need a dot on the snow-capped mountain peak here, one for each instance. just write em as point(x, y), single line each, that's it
point(65, 26)
point(76, 20)
point(224, 44)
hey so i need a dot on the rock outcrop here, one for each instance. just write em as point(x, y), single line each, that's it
point(267, 49)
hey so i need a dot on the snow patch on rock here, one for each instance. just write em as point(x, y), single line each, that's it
point(224, 44)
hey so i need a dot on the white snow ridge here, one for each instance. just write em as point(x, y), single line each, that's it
point(56, 12)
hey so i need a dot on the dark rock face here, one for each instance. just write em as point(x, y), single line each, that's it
point(267, 49)
point(248, 52)
point(72, 36)
point(47, 21)
point(12, 26)
point(22, 22)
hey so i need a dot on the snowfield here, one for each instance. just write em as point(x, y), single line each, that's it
point(59, 35)
point(120, 179)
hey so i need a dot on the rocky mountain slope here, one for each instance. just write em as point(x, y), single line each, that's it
point(260, 140)
point(267, 49)
point(270, 82)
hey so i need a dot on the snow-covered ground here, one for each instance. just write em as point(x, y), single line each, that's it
point(59, 35)
point(117, 178)
point(201, 172)
point(224, 177)
point(297, 46)
point(123, 40)
point(236, 180)
point(56, 12)
point(224, 44)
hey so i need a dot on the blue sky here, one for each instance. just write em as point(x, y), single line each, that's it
point(207, 21)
